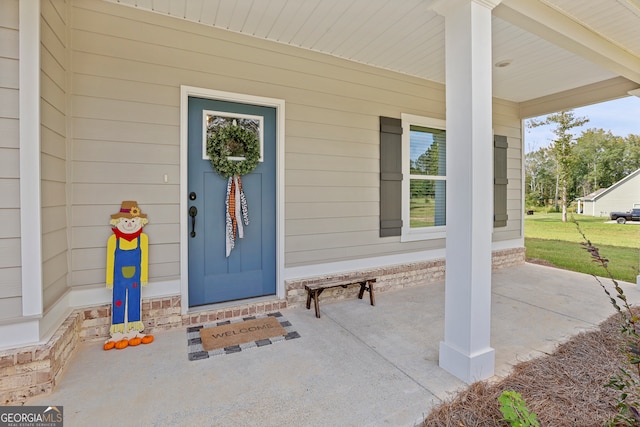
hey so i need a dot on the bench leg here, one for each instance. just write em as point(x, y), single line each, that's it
point(315, 301)
point(308, 299)
point(372, 297)
point(363, 287)
point(367, 286)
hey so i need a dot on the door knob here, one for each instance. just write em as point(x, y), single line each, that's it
point(193, 211)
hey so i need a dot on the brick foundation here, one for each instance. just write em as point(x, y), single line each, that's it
point(30, 371)
point(507, 258)
point(392, 278)
point(388, 279)
point(162, 314)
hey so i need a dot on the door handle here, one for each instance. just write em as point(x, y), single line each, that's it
point(193, 211)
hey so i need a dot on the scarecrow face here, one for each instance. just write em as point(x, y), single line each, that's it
point(129, 225)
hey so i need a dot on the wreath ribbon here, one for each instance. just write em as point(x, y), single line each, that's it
point(237, 212)
point(218, 150)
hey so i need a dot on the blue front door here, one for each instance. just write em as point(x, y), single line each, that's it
point(250, 269)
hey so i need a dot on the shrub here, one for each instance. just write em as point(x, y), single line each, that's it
point(515, 411)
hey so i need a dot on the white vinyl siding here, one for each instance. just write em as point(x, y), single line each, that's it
point(127, 73)
point(622, 196)
point(53, 158)
point(128, 66)
point(10, 262)
point(506, 122)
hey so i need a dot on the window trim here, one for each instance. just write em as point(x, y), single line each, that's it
point(409, 234)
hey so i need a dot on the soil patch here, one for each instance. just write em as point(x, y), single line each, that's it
point(541, 262)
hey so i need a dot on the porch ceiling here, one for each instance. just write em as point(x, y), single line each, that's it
point(552, 46)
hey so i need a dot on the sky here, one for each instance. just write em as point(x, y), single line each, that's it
point(620, 116)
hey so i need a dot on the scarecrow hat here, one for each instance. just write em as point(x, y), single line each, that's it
point(129, 209)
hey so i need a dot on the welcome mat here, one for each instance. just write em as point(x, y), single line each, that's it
point(233, 336)
point(237, 333)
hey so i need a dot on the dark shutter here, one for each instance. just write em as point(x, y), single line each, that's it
point(500, 181)
point(390, 177)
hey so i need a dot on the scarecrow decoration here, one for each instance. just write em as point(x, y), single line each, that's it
point(127, 271)
point(223, 146)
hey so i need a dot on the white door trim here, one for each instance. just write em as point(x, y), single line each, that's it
point(278, 104)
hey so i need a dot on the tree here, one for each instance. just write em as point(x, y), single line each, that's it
point(561, 149)
point(539, 176)
point(428, 163)
point(589, 170)
point(632, 153)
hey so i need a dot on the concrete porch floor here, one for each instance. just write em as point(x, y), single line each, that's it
point(356, 366)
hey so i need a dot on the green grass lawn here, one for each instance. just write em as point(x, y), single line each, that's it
point(549, 239)
point(422, 212)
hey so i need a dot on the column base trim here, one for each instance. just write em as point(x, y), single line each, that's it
point(468, 368)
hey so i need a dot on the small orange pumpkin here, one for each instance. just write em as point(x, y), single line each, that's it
point(135, 341)
point(109, 345)
point(147, 339)
point(122, 344)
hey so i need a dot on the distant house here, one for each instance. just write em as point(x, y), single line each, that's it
point(621, 196)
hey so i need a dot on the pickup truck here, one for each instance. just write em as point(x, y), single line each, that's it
point(622, 217)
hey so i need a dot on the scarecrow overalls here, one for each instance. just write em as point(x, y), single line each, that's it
point(127, 281)
point(127, 266)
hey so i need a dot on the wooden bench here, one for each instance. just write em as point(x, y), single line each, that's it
point(314, 290)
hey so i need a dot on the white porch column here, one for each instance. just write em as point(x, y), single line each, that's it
point(466, 350)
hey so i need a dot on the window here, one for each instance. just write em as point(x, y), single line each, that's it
point(424, 178)
point(413, 178)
